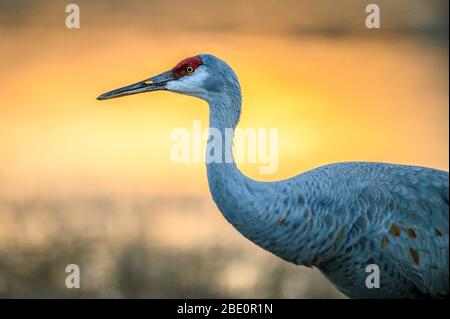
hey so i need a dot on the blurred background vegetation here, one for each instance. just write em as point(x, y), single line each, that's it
point(92, 184)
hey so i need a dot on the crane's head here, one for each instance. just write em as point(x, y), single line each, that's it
point(203, 76)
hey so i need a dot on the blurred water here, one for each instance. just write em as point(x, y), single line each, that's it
point(123, 250)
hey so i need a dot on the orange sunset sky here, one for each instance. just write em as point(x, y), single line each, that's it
point(371, 95)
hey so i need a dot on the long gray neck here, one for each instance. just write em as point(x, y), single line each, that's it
point(257, 209)
point(232, 191)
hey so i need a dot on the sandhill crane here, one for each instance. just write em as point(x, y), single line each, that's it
point(339, 218)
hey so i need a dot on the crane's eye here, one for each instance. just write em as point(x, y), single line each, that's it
point(189, 69)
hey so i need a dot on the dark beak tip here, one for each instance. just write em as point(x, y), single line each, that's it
point(102, 97)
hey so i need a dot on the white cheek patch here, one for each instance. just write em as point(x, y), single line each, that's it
point(190, 84)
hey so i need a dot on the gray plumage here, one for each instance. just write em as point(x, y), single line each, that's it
point(340, 217)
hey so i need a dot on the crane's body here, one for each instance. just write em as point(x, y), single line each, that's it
point(344, 217)
point(340, 218)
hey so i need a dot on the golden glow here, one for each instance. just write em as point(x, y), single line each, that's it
point(332, 100)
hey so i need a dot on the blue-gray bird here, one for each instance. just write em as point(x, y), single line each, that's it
point(351, 220)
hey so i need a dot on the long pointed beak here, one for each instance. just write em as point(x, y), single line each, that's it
point(155, 83)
